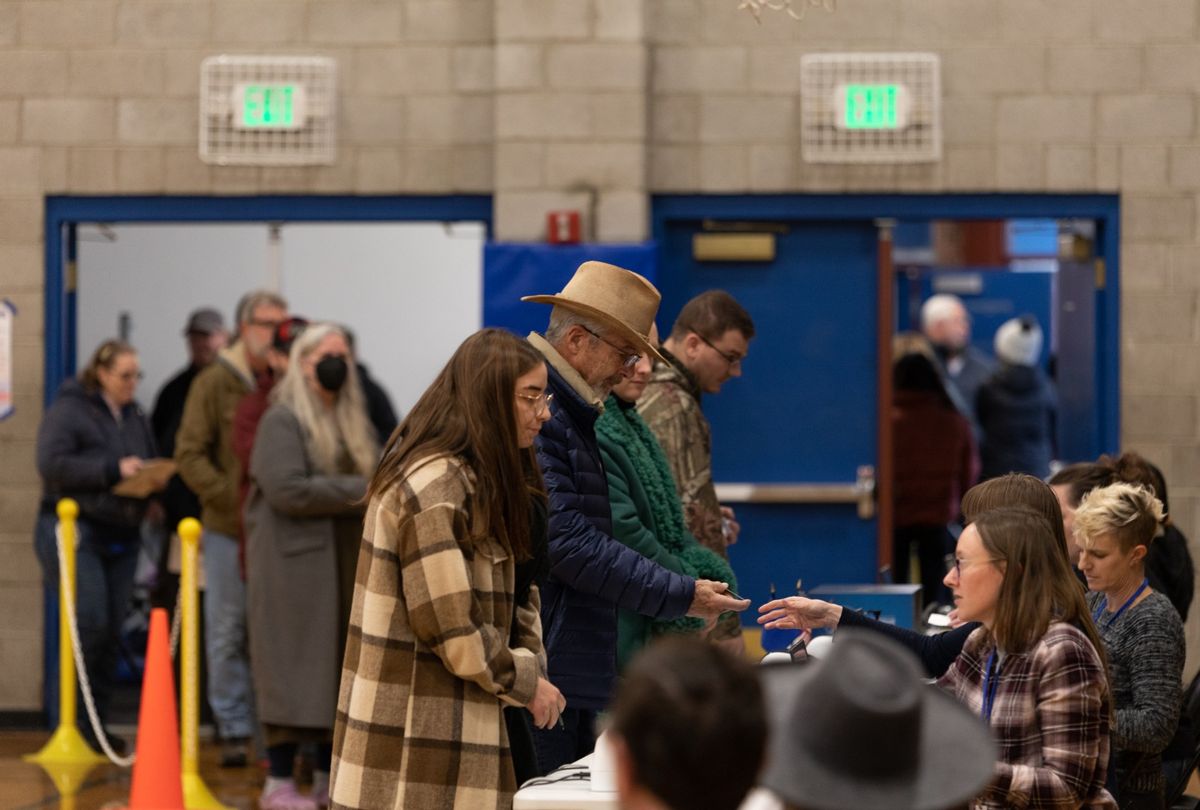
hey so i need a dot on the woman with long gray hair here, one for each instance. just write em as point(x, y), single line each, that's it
point(313, 454)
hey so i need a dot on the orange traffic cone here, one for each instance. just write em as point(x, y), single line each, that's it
point(156, 781)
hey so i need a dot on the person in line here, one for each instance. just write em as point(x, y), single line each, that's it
point(947, 324)
point(935, 464)
point(208, 465)
point(936, 652)
point(379, 404)
point(684, 705)
point(314, 451)
point(206, 335)
point(596, 336)
point(1016, 405)
point(646, 511)
point(1143, 636)
point(92, 437)
point(861, 731)
point(429, 664)
point(705, 349)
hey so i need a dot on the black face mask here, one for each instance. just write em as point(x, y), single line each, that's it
point(331, 372)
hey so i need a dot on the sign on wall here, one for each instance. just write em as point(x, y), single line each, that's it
point(871, 107)
point(268, 110)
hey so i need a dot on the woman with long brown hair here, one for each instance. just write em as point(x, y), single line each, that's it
point(430, 662)
point(1034, 670)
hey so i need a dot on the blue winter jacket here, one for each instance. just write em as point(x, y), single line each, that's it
point(591, 572)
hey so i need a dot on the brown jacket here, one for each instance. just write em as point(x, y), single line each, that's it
point(204, 443)
point(670, 407)
point(428, 664)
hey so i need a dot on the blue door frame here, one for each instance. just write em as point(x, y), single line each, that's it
point(1104, 209)
point(64, 214)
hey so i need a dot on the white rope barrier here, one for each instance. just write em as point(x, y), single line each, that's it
point(89, 702)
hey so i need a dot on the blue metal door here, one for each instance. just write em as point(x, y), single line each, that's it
point(805, 412)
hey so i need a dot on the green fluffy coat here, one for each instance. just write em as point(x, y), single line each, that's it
point(648, 518)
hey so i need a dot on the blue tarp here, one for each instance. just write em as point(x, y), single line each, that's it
point(511, 270)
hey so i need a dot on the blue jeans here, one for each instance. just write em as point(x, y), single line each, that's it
point(105, 563)
point(229, 690)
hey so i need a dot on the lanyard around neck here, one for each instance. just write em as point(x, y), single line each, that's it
point(990, 678)
point(1103, 605)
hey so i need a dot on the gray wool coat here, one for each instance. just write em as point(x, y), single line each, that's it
point(291, 575)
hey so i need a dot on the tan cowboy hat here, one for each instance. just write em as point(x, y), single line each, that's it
point(618, 298)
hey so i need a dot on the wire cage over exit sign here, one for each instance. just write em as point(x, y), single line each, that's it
point(268, 110)
point(871, 107)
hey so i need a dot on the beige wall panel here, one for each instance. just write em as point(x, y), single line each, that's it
point(30, 72)
point(518, 20)
point(1148, 20)
point(1070, 168)
point(439, 21)
point(150, 23)
point(20, 171)
point(260, 23)
point(79, 23)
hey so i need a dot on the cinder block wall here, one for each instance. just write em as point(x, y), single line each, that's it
point(595, 104)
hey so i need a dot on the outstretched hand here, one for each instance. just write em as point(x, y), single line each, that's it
point(799, 613)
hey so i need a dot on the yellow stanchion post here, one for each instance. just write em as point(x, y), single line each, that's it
point(196, 795)
point(66, 745)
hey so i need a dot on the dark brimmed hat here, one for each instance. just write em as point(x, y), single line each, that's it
point(618, 298)
point(861, 729)
point(204, 321)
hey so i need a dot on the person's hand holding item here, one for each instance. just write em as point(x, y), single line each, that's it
point(547, 704)
point(730, 525)
point(129, 466)
point(714, 598)
point(799, 613)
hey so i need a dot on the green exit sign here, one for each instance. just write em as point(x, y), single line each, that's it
point(269, 106)
point(872, 106)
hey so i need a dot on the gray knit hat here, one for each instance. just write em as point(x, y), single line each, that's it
point(1019, 341)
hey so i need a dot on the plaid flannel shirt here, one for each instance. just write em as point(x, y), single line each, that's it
point(1050, 717)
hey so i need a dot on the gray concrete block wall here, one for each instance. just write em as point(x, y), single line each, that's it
point(596, 104)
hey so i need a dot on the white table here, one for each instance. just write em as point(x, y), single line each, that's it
point(571, 794)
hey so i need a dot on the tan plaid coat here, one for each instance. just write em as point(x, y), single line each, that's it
point(428, 668)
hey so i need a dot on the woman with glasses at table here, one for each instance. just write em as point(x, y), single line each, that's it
point(92, 437)
point(1034, 670)
point(432, 656)
point(1141, 631)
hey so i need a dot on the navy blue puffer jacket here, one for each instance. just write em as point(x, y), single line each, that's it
point(591, 573)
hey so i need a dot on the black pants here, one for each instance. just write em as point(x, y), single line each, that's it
point(573, 739)
point(933, 544)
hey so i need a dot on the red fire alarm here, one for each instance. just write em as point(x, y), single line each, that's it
point(563, 227)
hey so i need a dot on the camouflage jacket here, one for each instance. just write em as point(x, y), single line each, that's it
point(671, 408)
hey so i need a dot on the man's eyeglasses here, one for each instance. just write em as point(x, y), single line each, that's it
point(541, 402)
point(629, 361)
point(728, 357)
point(265, 324)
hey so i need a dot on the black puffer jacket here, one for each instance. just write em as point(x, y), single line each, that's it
point(591, 572)
point(79, 448)
point(1016, 408)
